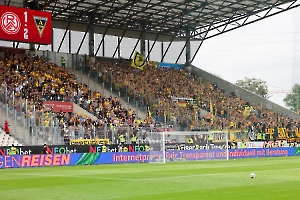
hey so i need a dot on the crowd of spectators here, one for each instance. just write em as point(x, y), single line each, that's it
point(27, 82)
point(34, 80)
point(158, 87)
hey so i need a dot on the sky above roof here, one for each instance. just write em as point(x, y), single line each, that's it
point(267, 50)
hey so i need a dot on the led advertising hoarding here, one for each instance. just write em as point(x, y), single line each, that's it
point(42, 160)
point(25, 25)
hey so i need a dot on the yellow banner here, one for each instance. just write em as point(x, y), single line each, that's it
point(153, 63)
point(89, 141)
point(211, 111)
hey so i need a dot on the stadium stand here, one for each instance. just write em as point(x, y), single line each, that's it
point(172, 94)
point(32, 81)
point(7, 139)
point(162, 89)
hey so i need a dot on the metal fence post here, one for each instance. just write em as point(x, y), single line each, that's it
point(6, 102)
point(89, 78)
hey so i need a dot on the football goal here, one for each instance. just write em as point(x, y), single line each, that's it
point(183, 146)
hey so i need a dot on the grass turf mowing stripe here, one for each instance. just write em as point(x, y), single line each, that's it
point(87, 176)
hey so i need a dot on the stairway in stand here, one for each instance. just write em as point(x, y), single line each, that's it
point(99, 88)
point(18, 130)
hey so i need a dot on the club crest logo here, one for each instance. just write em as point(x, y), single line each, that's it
point(10, 23)
point(40, 23)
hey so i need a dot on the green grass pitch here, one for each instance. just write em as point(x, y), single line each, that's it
point(276, 178)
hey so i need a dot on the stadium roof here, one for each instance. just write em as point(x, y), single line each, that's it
point(166, 18)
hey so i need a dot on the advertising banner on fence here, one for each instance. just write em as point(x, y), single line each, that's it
point(20, 161)
point(170, 65)
point(89, 142)
point(66, 149)
point(52, 149)
point(199, 145)
point(58, 106)
point(69, 149)
point(270, 144)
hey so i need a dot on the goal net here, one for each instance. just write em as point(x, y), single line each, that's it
point(183, 146)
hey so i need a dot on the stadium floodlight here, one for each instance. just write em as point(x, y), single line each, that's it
point(184, 146)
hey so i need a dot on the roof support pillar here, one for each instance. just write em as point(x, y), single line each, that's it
point(91, 41)
point(143, 44)
point(148, 53)
point(143, 39)
point(103, 45)
point(70, 39)
point(31, 47)
point(188, 46)
point(52, 43)
point(119, 49)
point(162, 51)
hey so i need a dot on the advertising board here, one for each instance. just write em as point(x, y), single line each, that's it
point(58, 106)
point(89, 141)
point(41, 160)
point(25, 25)
point(67, 149)
point(104, 147)
point(170, 65)
point(264, 144)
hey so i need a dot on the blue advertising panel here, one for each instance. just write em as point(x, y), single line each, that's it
point(170, 65)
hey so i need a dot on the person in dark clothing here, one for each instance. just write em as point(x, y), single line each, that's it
point(45, 149)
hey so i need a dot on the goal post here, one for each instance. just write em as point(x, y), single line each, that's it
point(192, 145)
point(157, 147)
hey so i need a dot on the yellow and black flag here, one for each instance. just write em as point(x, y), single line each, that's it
point(149, 114)
point(138, 61)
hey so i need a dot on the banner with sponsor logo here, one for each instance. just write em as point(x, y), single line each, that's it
point(71, 149)
point(170, 65)
point(37, 160)
point(58, 106)
point(41, 160)
point(67, 149)
point(270, 144)
point(187, 146)
point(52, 149)
point(89, 142)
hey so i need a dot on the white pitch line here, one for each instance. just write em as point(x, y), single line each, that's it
point(70, 175)
point(143, 179)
